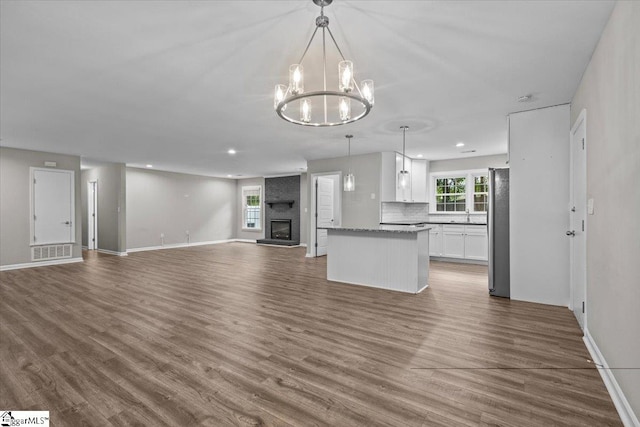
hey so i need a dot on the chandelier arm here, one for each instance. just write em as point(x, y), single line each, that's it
point(324, 71)
point(336, 44)
point(308, 44)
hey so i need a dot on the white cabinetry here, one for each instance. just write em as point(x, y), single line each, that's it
point(419, 180)
point(476, 245)
point(453, 241)
point(463, 241)
point(435, 240)
point(417, 190)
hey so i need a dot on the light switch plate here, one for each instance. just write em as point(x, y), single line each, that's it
point(373, 196)
point(590, 206)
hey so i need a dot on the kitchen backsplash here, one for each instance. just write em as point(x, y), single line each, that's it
point(400, 211)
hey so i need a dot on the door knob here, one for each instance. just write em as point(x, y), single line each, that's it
point(571, 233)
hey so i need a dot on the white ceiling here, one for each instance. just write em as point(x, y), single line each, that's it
point(177, 83)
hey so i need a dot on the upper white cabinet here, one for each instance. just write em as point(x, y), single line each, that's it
point(417, 190)
point(419, 180)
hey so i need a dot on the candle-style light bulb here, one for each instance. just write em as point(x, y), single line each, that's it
point(345, 75)
point(296, 79)
point(305, 111)
point(345, 108)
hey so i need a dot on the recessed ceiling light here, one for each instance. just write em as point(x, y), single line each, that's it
point(460, 144)
point(149, 166)
point(231, 151)
point(419, 156)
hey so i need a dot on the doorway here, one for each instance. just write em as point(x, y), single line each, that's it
point(578, 219)
point(92, 215)
point(325, 209)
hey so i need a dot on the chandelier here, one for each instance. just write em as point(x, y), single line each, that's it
point(323, 107)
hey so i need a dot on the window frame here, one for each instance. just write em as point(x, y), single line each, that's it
point(251, 189)
point(469, 175)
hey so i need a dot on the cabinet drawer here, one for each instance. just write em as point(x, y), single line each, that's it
point(453, 228)
point(476, 229)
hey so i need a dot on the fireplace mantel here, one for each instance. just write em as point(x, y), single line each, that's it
point(279, 202)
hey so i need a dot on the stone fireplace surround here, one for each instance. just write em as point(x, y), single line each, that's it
point(282, 202)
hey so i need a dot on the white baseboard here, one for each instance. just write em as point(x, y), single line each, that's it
point(628, 417)
point(244, 240)
point(304, 245)
point(40, 263)
point(107, 251)
point(179, 245)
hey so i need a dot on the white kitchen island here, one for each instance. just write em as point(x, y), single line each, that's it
point(388, 257)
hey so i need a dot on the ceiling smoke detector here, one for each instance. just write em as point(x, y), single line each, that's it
point(525, 98)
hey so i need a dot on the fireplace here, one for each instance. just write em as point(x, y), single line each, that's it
point(281, 229)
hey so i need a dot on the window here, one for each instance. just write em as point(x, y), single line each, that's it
point(252, 208)
point(451, 194)
point(453, 189)
point(480, 193)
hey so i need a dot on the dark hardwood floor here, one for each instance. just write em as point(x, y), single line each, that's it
point(240, 334)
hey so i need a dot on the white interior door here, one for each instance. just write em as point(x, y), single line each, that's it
point(53, 206)
point(324, 210)
point(578, 215)
point(92, 215)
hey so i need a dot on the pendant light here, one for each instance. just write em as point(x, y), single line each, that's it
point(349, 179)
point(404, 178)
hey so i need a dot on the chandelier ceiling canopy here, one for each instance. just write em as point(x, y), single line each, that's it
point(347, 103)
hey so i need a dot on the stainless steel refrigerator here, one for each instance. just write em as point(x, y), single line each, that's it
point(498, 229)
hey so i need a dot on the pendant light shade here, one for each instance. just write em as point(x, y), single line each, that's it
point(349, 179)
point(404, 178)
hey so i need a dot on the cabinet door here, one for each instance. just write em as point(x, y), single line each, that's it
point(435, 241)
point(418, 180)
point(475, 243)
point(453, 241)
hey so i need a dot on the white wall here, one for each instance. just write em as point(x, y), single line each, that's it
point(539, 205)
point(610, 92)
point(172, 203)
point(468, 163)
point(239, 232)
point(15, 206)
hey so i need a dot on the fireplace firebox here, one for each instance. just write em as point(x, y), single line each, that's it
point(281, 229)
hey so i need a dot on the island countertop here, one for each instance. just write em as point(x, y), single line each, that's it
point(388, 228)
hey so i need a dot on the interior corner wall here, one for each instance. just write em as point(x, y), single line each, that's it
point(15, 207)
point(610, 93)
point(171, 204)
point(239, 232)
point(112, 210)
point(304, 209)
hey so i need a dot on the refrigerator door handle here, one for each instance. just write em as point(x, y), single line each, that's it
point(491, 225)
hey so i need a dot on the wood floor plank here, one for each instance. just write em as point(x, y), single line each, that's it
point(248, 335)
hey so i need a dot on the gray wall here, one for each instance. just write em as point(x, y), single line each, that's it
point(304, 208)
point(610, 92)
point(15, 207)
point(467, 163)
point(172, 203)
point(111, 178)
point(239, 232)
point(358, 208)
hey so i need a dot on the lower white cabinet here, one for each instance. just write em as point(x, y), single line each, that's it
point(476, 245)
point(435, 240)
point(453, 241)
point(459, 241)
